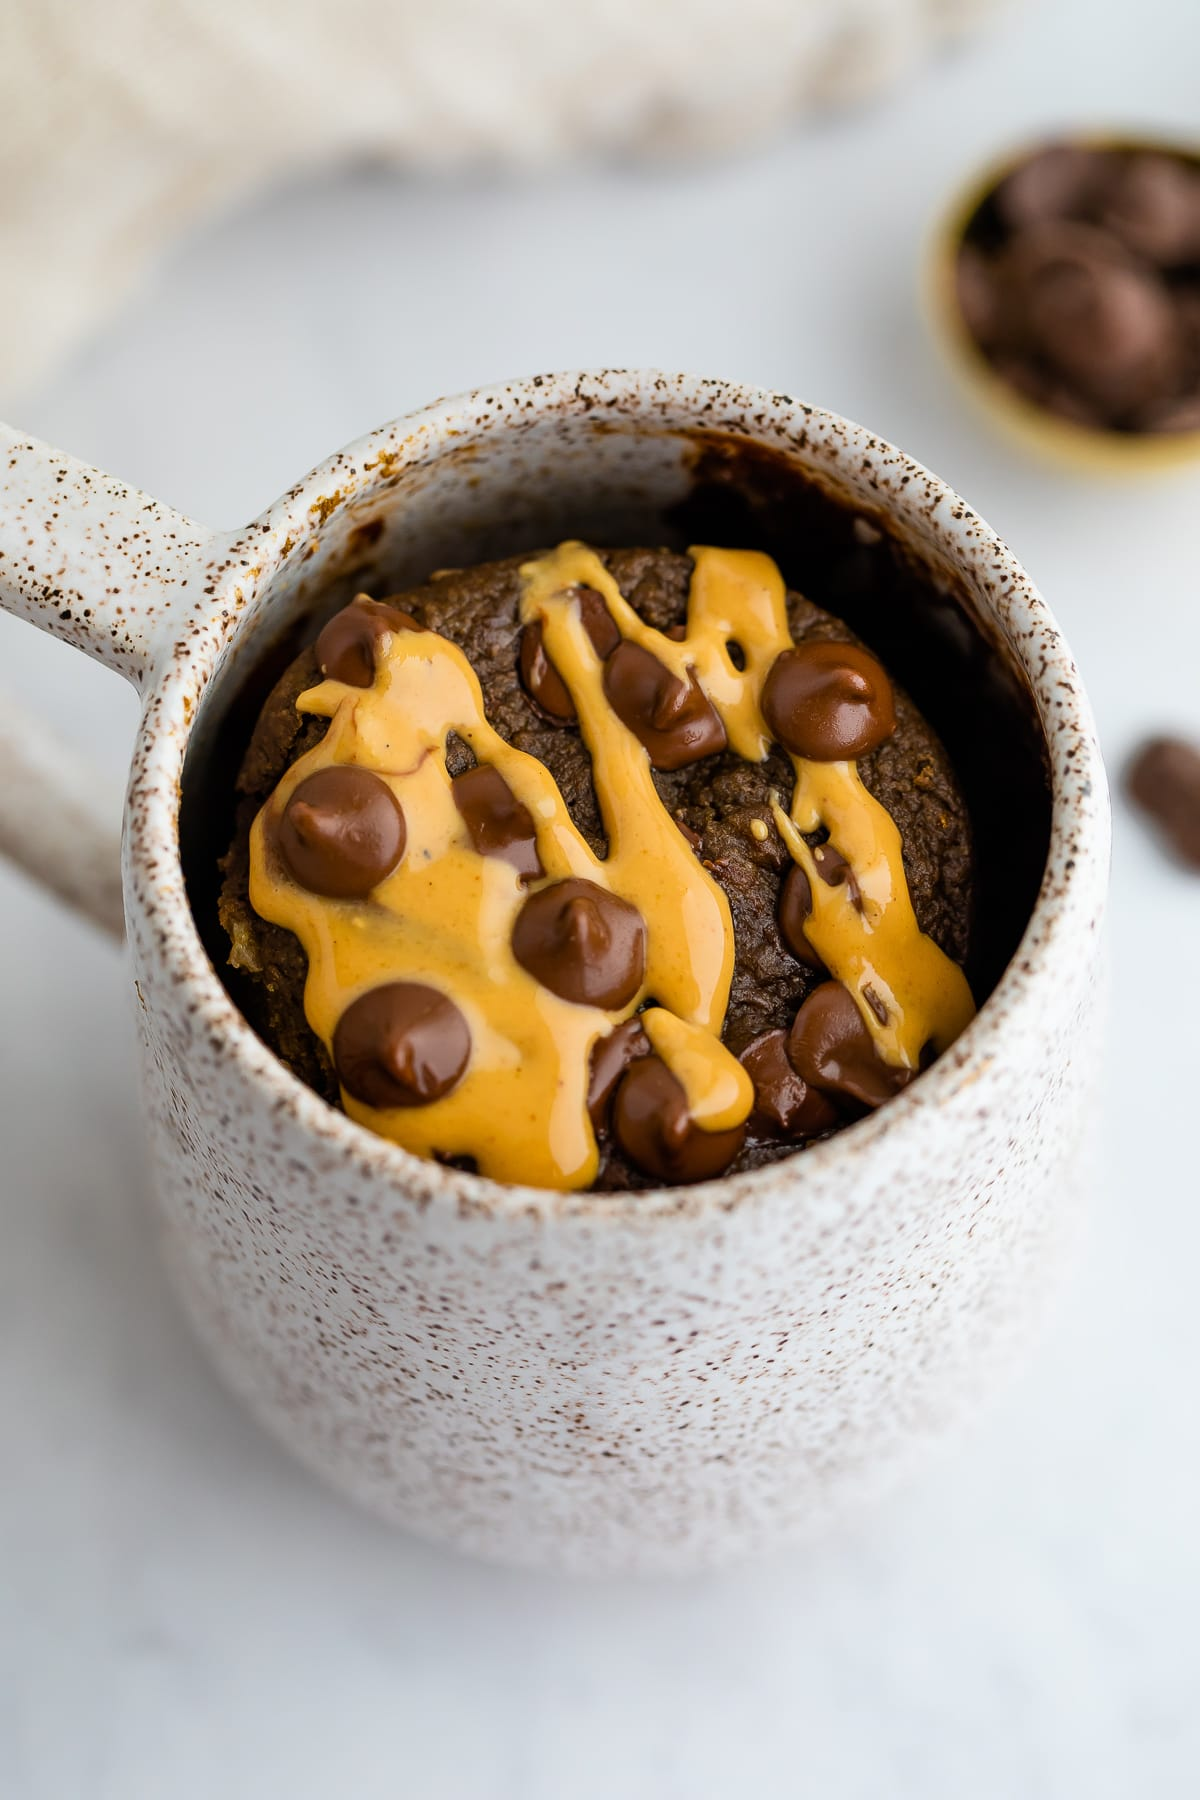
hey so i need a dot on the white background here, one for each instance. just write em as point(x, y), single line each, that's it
point(183, 1613)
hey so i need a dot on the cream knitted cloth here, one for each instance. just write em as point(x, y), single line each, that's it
point(126, 120)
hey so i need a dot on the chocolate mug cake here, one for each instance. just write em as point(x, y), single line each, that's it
point(599, 868)
point(606, 1380)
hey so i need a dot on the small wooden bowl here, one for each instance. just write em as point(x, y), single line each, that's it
point(1095, 451)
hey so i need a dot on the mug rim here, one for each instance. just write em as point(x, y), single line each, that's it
point(1075, 875)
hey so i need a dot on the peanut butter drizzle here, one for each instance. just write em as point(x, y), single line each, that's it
point(447, 913)
point(880, 950)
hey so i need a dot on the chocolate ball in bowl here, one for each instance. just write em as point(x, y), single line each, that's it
point(1068, 284)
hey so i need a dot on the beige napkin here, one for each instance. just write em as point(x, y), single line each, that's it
point(126, 121)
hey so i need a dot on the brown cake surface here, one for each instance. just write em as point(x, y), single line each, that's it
point(722, 801)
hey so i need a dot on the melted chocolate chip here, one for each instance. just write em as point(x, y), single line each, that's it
point(782, 1101)
point(829, 702)
point(583, 943)
point(830, 1047)
point(498, 824)
point(835, 871)
point(656, 1130)
point(877, 1004)
point(541, 680)
point(674, 719)
point(342, 832)
point(1164, 779)
point(403, 1044)
point(795, 909)
point(611, 1056)
point(347, 646)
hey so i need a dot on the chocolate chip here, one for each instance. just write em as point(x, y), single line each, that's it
point(611, 1056)
point(497, 822)
point(1079, 281)
point(1026, 373)
point(674, 719)
point(830, 1047)
point(1101, 320)
point(342, 832)
point(1171, 415)
point(348, 644)
point(583, 943)
point(598, 622)
point(1153, 206)
point(540, 678)
point(782, 1101)
point(835, 871)
point(795, 908)
point(829, 702)
point(1062, 181)
point(877, 1005)
point(1164, 779)
point(403, 1044)
point(978, 296)
point(656, 1131)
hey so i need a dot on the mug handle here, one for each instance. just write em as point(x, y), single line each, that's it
point(109, 570)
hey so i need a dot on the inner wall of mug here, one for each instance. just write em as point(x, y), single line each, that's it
point(616, 480)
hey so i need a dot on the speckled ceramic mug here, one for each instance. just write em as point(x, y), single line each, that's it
point(650, 1381)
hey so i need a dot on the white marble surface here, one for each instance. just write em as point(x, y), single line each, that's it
point(184, 1614)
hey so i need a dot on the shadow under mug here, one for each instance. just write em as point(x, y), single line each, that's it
point(651, 1381)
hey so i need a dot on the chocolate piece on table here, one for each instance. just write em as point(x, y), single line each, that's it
point(342, 832)
point(830, 1047)
point(541, 680)
point(496, 821)
point(658, 1133)
point(782, 1100)
point(583, 943)
point(347, 646)
point(828, 701)
point(1164, 779)
point(402, 1044)
point(674, 719)
point(611, 1056)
